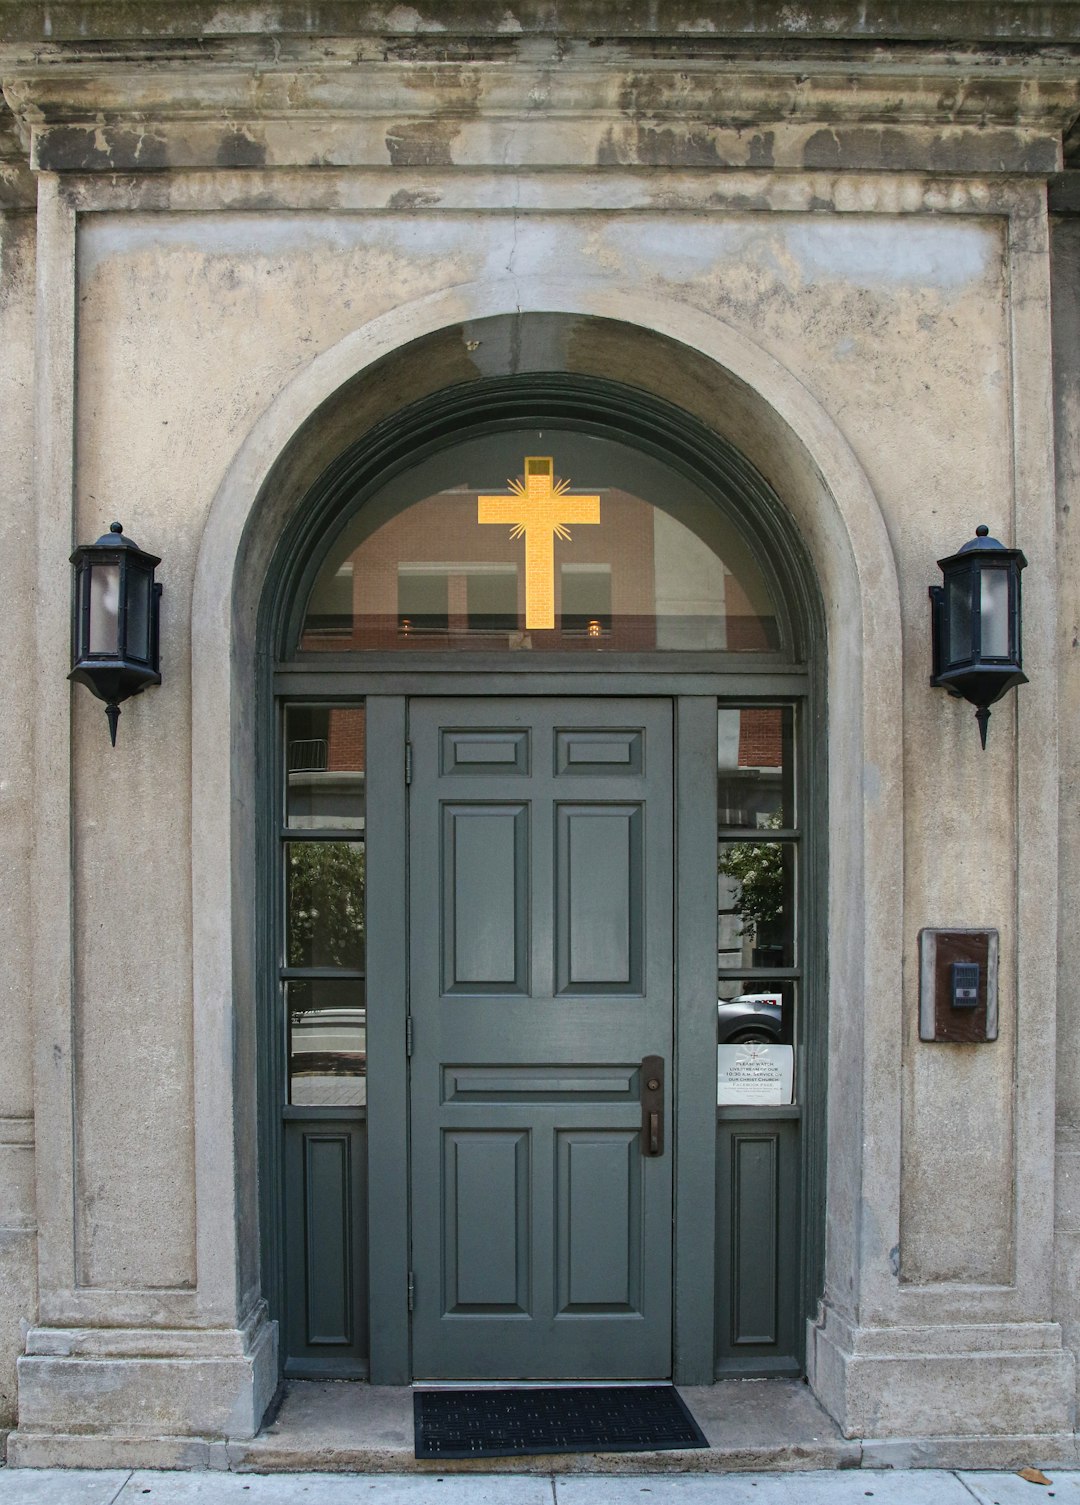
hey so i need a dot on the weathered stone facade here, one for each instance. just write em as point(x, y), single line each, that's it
point(844, 237)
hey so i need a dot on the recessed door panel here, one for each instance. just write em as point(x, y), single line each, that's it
point(600, 1223)
point(478, 751)
point(486, 1211)
point(484, 913)
point(599, 750)
point(600, 931)
point(327, 1225)
point(541, 904)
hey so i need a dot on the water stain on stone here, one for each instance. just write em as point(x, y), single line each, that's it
point(238, 148)
point(660, 146)
point(422, 143)
point(72, 148)
point(761, 149)
point(413, 198)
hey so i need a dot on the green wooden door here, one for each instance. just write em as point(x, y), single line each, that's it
point(541, 962)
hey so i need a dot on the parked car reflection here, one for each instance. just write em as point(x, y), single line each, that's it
point(750, 1017)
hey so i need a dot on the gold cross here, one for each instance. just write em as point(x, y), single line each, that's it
point(539, 509)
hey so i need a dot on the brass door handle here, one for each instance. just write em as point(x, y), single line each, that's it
point(652, 1105)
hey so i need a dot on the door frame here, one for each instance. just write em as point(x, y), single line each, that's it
point(386, 688)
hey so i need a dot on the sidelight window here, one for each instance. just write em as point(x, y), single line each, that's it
point(758, 868)
point(322, 975)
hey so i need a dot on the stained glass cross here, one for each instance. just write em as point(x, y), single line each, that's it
point(539, 510)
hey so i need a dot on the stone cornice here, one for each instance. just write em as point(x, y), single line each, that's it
point(18, 189)
point(538, 100)
point(952, 21)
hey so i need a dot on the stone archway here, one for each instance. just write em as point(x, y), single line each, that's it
point(742, 392)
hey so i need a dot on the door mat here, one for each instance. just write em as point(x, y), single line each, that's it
point(552, 1419)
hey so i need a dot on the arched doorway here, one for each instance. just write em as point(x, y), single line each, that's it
point(457, 1189)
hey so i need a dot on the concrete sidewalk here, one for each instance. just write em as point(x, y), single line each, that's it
point(834, 1487)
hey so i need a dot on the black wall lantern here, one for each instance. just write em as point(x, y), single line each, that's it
point(114, 638)
point(976, 624)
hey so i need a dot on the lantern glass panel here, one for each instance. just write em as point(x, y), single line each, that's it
point(82, 621)
point(994, 612)
point(138, 614)
point(104, 608)
point(958, 615)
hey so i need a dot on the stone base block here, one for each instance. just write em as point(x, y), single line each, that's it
point(156, 1398)
point(980, 1453)
point(987, 1380)
point(57, 1450)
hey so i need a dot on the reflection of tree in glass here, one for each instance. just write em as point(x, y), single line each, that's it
point(758, 868)
point(326, 904)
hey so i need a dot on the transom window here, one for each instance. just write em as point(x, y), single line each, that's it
point(540, 539)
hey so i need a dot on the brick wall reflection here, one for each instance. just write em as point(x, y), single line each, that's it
point(761, 737)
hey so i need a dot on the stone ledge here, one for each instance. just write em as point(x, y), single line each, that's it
point(145, 1342)
point(781, 1458)
point(945, 1340)
point(322, 1426)
point(1016, 1384)
point(605, 140)
point(168, 1401)
point(1060, 1450)
point(59, 1450)
point(41, 1450)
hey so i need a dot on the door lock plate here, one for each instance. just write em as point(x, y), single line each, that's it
point(652, 1105)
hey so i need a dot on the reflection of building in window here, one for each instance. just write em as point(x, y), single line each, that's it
point(423, 598)
point(330, 612)
point(586, 598)
point(754, 793)
point(325, 761)
point(761, 739)
point(431, 577)
point(491, 598)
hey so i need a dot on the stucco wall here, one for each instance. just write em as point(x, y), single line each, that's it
point(17, 534)
point(188, 325)
point(1066, 304)
point(861, 238)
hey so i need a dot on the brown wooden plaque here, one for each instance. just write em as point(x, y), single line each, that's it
point(946, 1013)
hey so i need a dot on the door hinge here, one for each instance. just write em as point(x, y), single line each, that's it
point(411, 1290)
point(408, 1034)
point(408, 762)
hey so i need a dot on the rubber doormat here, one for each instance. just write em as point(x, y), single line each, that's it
point(552, 1419)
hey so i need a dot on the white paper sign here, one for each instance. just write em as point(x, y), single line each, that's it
point(754, 1073)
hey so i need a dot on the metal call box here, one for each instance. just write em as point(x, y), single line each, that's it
point(958, 976)
point(965, 985)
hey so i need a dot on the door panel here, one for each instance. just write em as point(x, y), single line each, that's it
point(599, 1219)
point(598, 878)
point(484, 888)
point(540, 976)
point(485, 1260)
point(326, 1242)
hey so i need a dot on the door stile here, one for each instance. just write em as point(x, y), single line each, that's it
point(694, 1077)
point(387, 1065)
